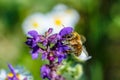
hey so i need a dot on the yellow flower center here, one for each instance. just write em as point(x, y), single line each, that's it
point(35, 24)
point(58, 22)
point(10, 75)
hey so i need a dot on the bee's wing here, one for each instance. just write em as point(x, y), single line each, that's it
point(84, 50)
point(84, 54)
point(83, 39)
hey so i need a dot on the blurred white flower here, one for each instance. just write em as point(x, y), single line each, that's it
point(3, 74)
point(21, 74)
point(36, 22)
point(60, 7)
point(61, 16)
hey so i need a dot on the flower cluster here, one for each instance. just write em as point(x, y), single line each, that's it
point(17, 73)
point(50, 46)
point(53, 48)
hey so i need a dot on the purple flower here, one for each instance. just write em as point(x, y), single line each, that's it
point(47, 38)
point(13, 72)
point(65, 31)
point(36, 42)
point(30, 42)
point(33, 33)
point(35, 52)
point(49, 72)
point(61, 56)
point(48, 54)
point(33, 39)
point(45, 72)
point(61, 47)
point(52, 48)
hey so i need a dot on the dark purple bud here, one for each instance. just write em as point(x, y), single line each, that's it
point(50, 30)
point(61, 56)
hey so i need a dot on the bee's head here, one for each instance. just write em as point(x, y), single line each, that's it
point(69, 36)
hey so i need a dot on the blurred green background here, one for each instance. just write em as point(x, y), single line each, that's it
point(99, 23)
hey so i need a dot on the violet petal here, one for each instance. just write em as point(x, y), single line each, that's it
point(35, 52)
point(65, 31)
point(45, 72)
point(11, 69)
point(33, 33)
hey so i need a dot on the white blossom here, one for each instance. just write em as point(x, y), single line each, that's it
point(61, 16)
point(3, 74)
point(36, 22)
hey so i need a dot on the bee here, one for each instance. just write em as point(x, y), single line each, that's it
point(75, 41)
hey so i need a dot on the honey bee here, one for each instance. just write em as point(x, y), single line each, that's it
point(75, 41)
